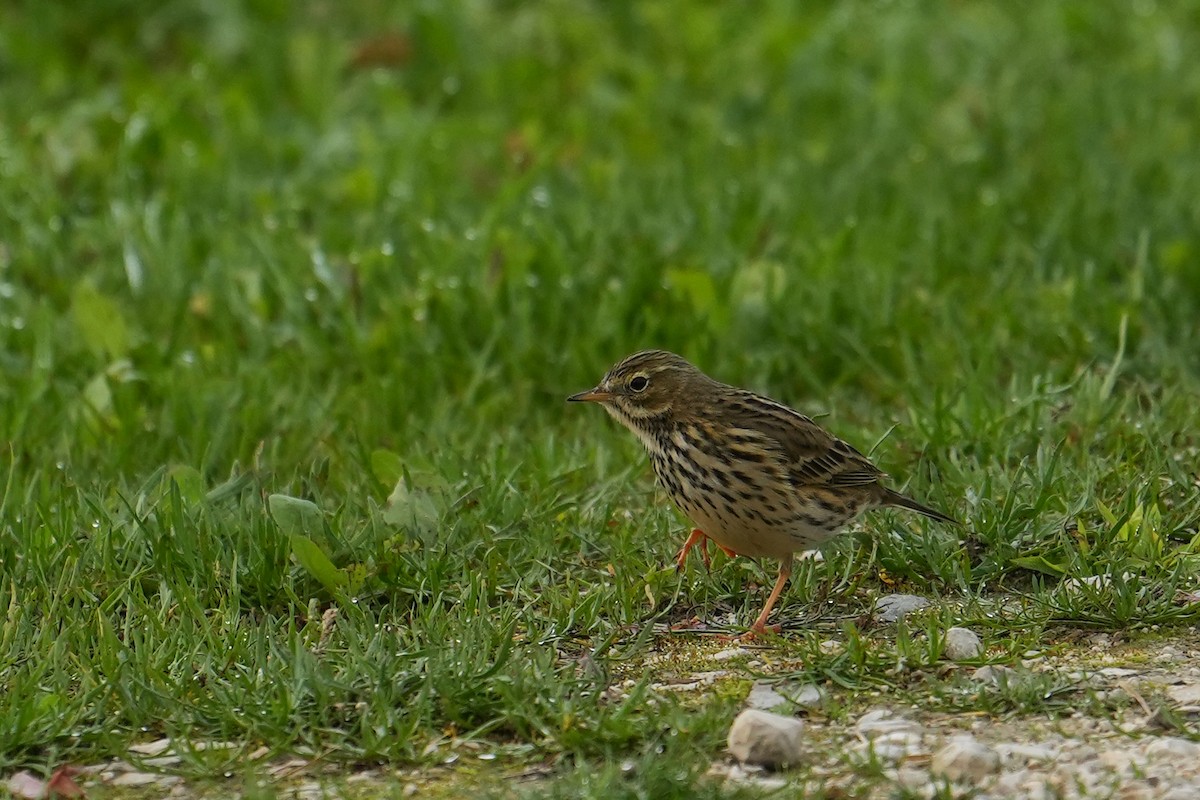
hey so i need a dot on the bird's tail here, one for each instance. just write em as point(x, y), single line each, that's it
point(891, 498)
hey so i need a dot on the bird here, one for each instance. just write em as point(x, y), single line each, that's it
point(759, 478)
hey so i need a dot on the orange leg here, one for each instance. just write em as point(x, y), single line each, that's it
point(785, 572)
point(697, 538)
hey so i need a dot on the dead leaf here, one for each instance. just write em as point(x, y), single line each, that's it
point(62, 783)
point(518, 150)
point(389, 50)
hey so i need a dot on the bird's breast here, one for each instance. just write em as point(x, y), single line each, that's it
point(744, 501)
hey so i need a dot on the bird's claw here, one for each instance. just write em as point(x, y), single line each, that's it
point(755, 632)
point(697, 538)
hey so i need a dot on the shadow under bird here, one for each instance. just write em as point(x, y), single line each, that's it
point(758, 478)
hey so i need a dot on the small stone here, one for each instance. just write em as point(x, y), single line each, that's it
point(1133, 791)
point(994, 674)
point(1026, 753)
point(286, 768)
point(893, 607)
point(93, 769)
point(1170, 748)
point(764, 697)
point(1009, 784)
point(1080, 751)
point(890, 738)
point(912, 778)
point(752, 776)
point(1186, 695)
point(1168, 653)
point(1181, 793)
point(785, 695)
point(155, 748)
point(741, 772)
point(760, 737)
point(881, 721)
point(25, 784)
point(962, 644)
point(896, 746)
point(730, 652)
point(308, 790)
point(129, 779)
point(1119, 672)
point(807, 696)
point(965, 760)
point(1118, 760)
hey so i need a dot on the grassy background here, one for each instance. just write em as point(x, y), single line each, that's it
point(304, 249)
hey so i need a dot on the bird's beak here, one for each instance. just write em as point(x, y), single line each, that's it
point(596, 395)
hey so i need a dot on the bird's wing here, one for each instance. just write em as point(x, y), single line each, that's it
point(811, 455)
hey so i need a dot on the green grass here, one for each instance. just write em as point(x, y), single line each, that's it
point(240, 259)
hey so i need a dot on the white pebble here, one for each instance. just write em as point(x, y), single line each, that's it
point(760, 737)
point(965, 760)
point(962, 644)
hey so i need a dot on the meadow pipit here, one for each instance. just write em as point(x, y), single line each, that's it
point(755, 476)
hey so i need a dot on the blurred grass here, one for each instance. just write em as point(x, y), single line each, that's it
point(261, 247)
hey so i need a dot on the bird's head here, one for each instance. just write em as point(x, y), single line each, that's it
point(647, 385)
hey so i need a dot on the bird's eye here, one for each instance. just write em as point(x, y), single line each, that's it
point(638, 383)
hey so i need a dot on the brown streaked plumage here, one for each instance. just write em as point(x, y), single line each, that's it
point(755, 476)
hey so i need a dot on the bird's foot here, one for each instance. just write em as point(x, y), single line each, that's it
point(755, 632)
point(697, 538)
point(690, 625)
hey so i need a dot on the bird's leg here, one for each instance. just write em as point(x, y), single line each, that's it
point(726, 550)
point(785, 572)
point(697, 537)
